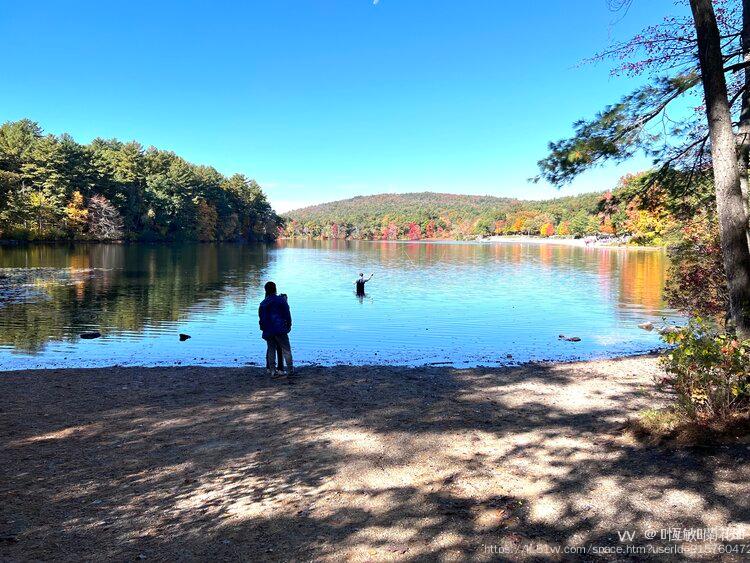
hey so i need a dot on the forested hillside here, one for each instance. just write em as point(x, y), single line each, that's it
point(435, 215)
point(53, 188)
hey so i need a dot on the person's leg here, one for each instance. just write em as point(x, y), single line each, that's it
point(271, 355)
point(279, 358)
point(286, 350)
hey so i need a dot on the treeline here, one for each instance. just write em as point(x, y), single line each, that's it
point(53, 188)
point(427, 215)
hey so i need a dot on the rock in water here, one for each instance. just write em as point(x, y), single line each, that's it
point(184, 337)
point(90, 335)
point(669, 330)
point(646, 326)
point(573, 339)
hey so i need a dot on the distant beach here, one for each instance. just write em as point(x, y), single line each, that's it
point(563, 241)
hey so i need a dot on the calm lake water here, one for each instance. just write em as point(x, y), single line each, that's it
point(460, 303)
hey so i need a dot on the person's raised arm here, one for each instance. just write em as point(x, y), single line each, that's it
point(368, 279)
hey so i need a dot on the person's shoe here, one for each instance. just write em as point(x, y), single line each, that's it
point(272, 373)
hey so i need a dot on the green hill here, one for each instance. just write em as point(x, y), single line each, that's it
point(452, 216)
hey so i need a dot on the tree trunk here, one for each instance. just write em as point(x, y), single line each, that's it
point(743, 133)
point(729, 201)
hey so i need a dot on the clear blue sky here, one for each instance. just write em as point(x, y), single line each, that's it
point(325, 99)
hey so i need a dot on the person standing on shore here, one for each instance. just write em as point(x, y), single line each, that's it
point(360, 283)
point(275, 320)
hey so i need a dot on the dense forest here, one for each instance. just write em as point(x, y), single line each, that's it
point(53, 188)
point(427, 215)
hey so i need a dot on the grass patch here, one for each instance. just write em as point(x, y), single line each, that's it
point(659, 422)
point(668, 426)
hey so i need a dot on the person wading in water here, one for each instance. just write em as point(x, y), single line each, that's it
point(275, 321)
point(360, 283)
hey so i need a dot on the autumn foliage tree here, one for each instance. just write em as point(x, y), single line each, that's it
point(207, 219)
point(697, 284)
point(547, 230)
point(563, 229)
point(430, 229)
point(76, 214)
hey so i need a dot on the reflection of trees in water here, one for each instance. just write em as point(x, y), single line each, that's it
point(629, 277)
point(642, 279)
point(123, 287)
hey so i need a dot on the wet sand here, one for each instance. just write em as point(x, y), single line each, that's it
point(355, 463)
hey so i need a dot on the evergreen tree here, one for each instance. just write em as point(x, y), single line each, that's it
point(52, 187)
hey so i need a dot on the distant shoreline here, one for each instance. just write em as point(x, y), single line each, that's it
point(579, 242)
point(523, 239)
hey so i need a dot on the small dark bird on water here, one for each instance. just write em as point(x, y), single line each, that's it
point(569, 338)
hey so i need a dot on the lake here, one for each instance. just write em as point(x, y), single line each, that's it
point(457, 303)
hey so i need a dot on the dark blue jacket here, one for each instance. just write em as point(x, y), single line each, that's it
point(275, 317)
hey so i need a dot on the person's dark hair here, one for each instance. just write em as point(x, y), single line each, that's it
point(270, 288)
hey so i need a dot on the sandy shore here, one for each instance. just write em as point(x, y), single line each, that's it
point(372, 463)
point(580, 242)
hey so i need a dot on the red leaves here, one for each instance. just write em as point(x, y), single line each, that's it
point(430, 230)
point(697, 283)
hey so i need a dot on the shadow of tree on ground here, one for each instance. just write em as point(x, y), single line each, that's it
point(364, 463)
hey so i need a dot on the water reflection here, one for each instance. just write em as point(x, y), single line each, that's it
point(455, 302)
point(116, 288)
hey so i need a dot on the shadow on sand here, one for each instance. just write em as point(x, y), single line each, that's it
point(359, 463)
